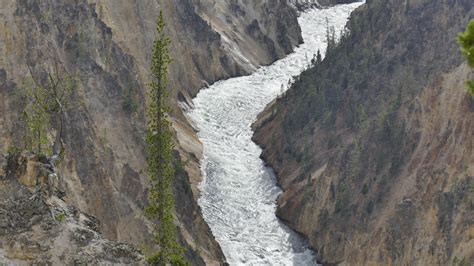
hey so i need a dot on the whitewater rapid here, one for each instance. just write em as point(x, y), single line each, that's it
point(238, 193)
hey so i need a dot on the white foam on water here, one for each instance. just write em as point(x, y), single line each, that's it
point(238, 193)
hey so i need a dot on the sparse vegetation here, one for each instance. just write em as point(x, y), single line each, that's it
point(466, 42)
point(365, 189)
point(129, 101)
point(461, 262)
point(46, 101)
point(60, 217)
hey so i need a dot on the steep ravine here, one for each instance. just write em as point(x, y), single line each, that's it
point(374, 147)
point(239, 191)
point(106, 45)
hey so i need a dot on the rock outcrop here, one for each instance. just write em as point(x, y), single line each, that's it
point(253, 33)
point(106, 47)
point(373, 147)
point(38, 227)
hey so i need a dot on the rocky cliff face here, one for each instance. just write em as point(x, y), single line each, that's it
point(249, 37)
point(39, 227)
point(106, 46)
point(374, 146)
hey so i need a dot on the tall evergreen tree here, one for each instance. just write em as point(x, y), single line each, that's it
point(330, 38)
point(160, 159)
point(466, 41)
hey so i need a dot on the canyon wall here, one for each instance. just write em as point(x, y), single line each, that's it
point(373, 146)
point(106, 46)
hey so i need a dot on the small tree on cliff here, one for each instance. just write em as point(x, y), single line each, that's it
point(466, 42)
point(160, 159)
point(317, 58)
point(46, 105)
point(35, 122)
point(330, 38)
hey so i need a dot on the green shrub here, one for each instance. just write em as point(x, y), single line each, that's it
point(466, 43)
point(60, 217)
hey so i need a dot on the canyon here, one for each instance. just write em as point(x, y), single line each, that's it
point(362, 157)
point(238, 191)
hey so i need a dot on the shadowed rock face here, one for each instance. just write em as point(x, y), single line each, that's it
point(374, 146)
point(107, 45)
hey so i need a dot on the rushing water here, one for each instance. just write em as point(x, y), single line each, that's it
point(238, 192)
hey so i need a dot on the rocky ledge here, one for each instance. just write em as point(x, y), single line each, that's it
point(38, 227)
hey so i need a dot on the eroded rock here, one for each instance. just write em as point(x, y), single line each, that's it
point(38, 227)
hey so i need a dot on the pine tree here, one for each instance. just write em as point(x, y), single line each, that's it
point(319, 57)
point(466, 42)
point(330, 37)
point(160, 159)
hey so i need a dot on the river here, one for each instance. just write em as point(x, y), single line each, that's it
point(238, 193)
